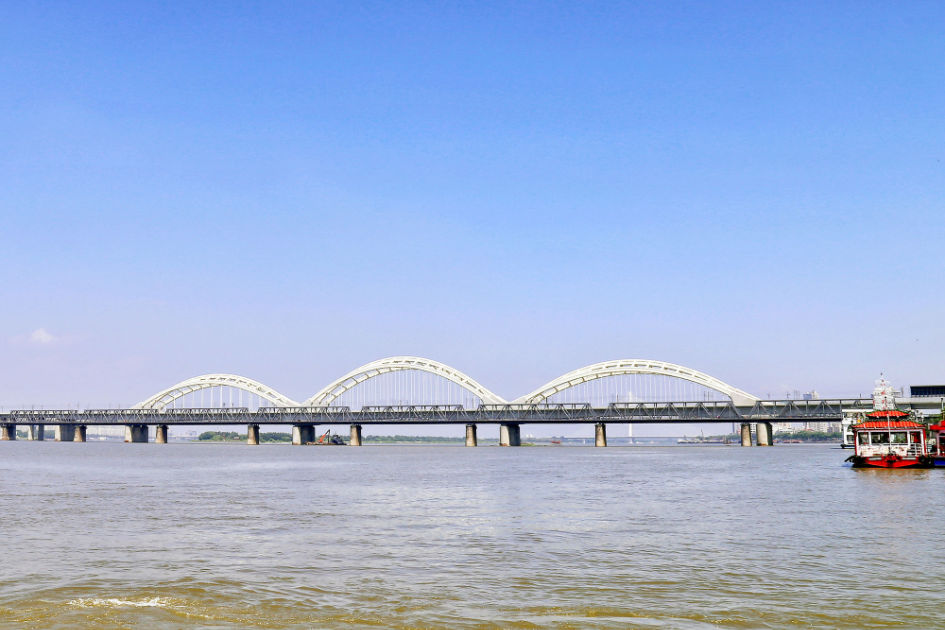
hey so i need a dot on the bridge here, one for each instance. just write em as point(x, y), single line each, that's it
point(578, 397)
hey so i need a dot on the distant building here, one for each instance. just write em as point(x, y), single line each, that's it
point(922, 391)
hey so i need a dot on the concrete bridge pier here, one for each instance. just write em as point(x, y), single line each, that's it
point(355, 435)
point(160, 434)
point(37, 432)
point(510, 435)
point(80, 431)
point(471, 435)
point(136, 433)
point(252, 434)
point(7, 432)
point(765, 435)
point(65, 432)
point(303, 434)
point(600, 434)
point(746, 434)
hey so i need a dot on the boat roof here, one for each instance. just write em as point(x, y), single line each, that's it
point(888, 424)
point(937, 427)
point(887, 413)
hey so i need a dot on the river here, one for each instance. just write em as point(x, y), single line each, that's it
point(111, 535)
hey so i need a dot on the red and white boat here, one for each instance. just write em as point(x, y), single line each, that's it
point(889, 439)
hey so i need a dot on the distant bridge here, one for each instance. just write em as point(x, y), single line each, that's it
point(545, 405)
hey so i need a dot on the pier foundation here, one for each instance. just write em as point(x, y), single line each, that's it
point(65, 432)
point(600, 434)
point(746, 434)
point(7, 432)
point(252, 434)
point(765, 434)
point(160, 434)
point(303, 434)
point(37, 432)
point(355, 435)
point(136, 433)
point(510, 435)
point(80, 432)
point(471, 435)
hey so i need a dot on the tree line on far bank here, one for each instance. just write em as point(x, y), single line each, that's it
point(233, 436)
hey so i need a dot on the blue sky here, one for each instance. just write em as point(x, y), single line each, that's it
point(289, 190)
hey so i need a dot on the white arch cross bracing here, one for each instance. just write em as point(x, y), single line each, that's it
point(635, 366)
point(164, 398)
point(396, 364)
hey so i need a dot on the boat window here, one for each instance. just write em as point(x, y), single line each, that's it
point(864, 438)
point(916, 437)
point(879, 438)
point(898, 437)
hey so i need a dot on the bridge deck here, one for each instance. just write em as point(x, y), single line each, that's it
point(702, 412)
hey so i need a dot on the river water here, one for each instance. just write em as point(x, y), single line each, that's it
point(111, 535)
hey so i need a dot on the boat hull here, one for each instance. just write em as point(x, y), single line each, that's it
point(891, 462)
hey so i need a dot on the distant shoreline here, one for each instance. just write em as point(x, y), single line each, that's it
point(221, 437)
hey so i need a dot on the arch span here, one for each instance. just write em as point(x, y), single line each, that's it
point(396, 364)
point(164, 398)
point(635, 366)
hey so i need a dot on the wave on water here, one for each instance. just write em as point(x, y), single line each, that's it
point(115, 602)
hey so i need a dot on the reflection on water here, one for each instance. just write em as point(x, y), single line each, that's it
point(105, 535)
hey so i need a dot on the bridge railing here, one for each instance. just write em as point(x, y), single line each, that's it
point(679, 411)
point(36, 416)
point(541, 412)
point(763, 410)
point(122, 416)
point(311, 415)
point(201, 415)
point(813, 409)
point(406, 413)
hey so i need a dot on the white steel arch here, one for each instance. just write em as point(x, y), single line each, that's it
point(163, 398)
point(635, 366)
point(396, 364)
